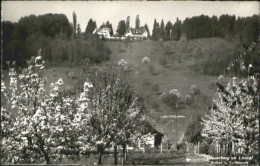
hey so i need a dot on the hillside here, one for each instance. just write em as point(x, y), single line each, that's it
point(157, 77)
point(178, 73)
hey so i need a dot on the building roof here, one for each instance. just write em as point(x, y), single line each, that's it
point(137, 31)
point(102, 27)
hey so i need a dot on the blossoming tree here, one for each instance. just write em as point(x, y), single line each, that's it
point(113, 108)
point(43, 126)
point(171, 99)
point(233, 119)
point(37, 126)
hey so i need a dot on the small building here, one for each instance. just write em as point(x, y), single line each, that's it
point(154, 137)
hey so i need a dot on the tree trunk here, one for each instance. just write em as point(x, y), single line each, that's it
point(220, 149)
point(229, 152)
point(124, 154)
point(45, 153)
point(47, 158)
point(115, 154)
point(199, 147)
point(100, 158)
point(35, 105)
point(100, 153)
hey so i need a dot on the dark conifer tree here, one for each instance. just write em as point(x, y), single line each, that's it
point(90, 27)
point(121, 28)
point(74, 24)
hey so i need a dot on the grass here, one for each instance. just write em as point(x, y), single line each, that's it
point(53, 74)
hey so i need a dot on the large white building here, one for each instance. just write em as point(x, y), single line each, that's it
point(103, 32)
point(137, 33)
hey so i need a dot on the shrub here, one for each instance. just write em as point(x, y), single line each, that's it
point(146, 60)
point(212, 85)
point(124, 64)
point(146, 82)
point(97, 51)
point(155, 105)
point(152, 70)
point(122, 50)
point(163, 61)
point(76, 52)
point(181, 147)
point(204, 148)
point(70, 74)
point(155, 88)
point(195, 91)
point(169, 52)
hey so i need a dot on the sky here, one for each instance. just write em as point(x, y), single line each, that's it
point(114, 11)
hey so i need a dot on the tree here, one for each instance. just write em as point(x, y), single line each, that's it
point(74, 24)
point(249, 32)
point(176, 30)
point(171, 99)
point(115, 116)
point(16, 45)
point(233, 118)
point(41, 126)
point(64, 56)
point(195, 93)
point(8, 39)
point(193, 131)
point(121, 28)
point(107, 24)
point(78, 32)
point(214, 26)
point(128, 22)
point(111, 28)
point(189, 101)
point(129, 116)
point(162, 30)
point(27, 103)
point(147, 29)
point(90, 27)
point(168, 30)
point(137, 22)
point(146, 60)
point(226, 25)
point(246, 63)
point(155, 34)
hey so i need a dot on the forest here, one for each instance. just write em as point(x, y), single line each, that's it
point(227, 26)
